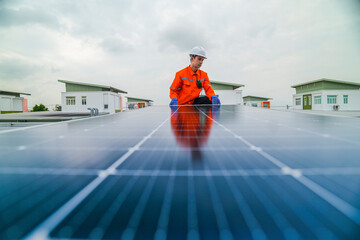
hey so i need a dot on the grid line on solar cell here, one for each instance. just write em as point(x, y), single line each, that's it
point(163, 222)
point(344, 207)
point(25, 203)
point(288, 231)
point(313, 132)
point(44, 229)
point(221, 219)
point(189, 173)
point(324, 135)
point(278, 192)
point(272, 210)
point(329, 136)
point(134, 221)
point(193, 225)
point(49, 124)
point(108, 216)
point(60, 159)
point(252, 223)
point(268, 146)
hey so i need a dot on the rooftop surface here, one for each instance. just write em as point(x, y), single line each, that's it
point(256, 97)
point(9, 92)
point(330, 113)
point(92, 85)
point(26, 119)
point(46, 116)
point(232, 172)
point(139, 99)
point(326, 80)
point(227, 83)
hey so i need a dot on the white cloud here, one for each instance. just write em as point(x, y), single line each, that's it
point(138, 45)
point(117, 44)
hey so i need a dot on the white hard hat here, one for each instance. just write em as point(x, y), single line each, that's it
point(198, 51)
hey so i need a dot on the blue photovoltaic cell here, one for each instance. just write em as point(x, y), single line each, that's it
point(61, 158)
point(28, 200)
point(189, 172)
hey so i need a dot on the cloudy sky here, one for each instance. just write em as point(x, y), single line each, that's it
point(138, 45)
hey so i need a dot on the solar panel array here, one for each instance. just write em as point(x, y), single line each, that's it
point(195, 172)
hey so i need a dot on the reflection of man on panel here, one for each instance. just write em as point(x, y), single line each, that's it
point(192, 128)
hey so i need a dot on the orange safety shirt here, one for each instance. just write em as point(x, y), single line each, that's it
point(184, 86)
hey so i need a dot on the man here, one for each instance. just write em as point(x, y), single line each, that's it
point(189, 82)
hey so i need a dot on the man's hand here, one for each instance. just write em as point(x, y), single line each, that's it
point(174, 102)
point(215, 100)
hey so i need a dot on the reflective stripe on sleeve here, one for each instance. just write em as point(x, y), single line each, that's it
point(175, 88)
point(202, 79)
point(184, 78)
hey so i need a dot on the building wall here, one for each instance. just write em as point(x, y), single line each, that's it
point(117, 102)
point(17, 104)
point(93, 100)
point(353, 100)
point(11, 103)
point(124, 103)
point(25, 105)
point(297, 107)
point(253, 103)
point(230, 97)
point(133, 104)
point(5, 103)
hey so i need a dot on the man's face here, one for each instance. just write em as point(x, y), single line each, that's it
point(197, 61)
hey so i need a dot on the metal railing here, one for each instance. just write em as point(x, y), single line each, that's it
point(93, 112)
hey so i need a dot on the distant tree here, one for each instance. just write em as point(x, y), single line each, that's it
point(39, 108)
point(57, 107)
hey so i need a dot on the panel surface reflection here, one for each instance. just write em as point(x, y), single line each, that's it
point(190, 172)
point(191, 126)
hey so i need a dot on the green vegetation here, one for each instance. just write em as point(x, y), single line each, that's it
point(57, 107)
point(39, 108)
point(5, 112)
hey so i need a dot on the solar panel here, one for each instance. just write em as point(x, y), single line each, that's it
point(196, 172)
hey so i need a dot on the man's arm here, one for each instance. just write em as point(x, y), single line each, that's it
point(175, 87)
point(207, 87)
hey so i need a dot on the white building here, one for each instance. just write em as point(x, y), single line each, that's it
point(12, 102)
point(228, 93)
point(254, 101)
point(81, 96)
point(327, 94)
point(133, 102)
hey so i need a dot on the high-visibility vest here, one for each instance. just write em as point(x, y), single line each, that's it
point(184, 86)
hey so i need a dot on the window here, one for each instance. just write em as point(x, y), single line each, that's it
point(70, 100)
point(331, 99)
point(305, 102)
point(317, 99)
point(298, 101)
point(346, 99)
point(106, 106)
point(83, 100)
